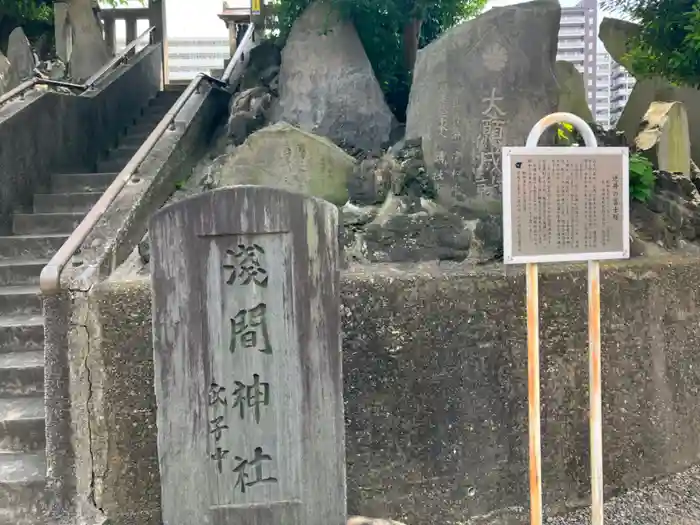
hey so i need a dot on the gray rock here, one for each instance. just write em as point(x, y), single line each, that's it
point(89, 52)
point(572, 90)
point(327, 85)
point(144, 249)
point(401, 171)
point(248, 113)
point(418, 237)
point(286, 157)
point(8, 78)
point(479, 87)
point(263, 66)
point(20, 54)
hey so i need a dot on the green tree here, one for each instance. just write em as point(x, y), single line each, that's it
point(391, 31)
point(668, 44)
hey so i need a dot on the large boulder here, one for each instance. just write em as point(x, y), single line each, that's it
point(479, 87)
point(20, 54)
point(89, 51)
point(616, 35)
point(572, 91)
point(283, 156)
point(8, 77)
point(327, 85)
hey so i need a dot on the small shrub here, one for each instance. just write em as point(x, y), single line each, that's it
point(642, 177)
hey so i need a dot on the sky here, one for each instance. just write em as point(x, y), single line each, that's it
point(184, 21)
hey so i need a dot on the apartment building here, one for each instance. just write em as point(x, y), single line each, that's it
point(621, 84)
point(578, 37)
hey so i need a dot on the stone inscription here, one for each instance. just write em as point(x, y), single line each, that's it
point(244, 266)
point(247, 359)
point(488, 176)
point(566, 204)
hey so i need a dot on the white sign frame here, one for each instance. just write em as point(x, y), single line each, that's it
point(508, 257)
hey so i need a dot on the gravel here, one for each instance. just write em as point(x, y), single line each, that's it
point(671, 501)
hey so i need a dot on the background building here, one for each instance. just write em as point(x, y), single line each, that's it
point(578, 38)
point(608, 84)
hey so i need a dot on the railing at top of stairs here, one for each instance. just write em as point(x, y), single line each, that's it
point(50, 279)
point(89, 83)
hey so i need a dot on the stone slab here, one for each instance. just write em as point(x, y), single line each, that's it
point(247, 359)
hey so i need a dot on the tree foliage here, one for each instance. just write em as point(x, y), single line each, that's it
point(668, 44)
point(391, 32)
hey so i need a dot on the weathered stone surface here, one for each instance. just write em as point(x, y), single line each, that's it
point(572, 91)
point(89, 50)
point(397, 218)
point(255, 349)
point(401, 170)
point(615, 34)
point(248, 113)
point(20, 54)
point(63, 34)
point(670, 221)
point(8, 78)
point(263, 66)
point(482, 86)
point(327, 85)
point(286, 157)
point(434, 364)
point(664, 137)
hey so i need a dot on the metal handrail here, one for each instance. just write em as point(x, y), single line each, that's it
point(50, 278)
point(88, 84)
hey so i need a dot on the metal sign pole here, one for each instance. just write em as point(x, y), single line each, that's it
point(533, 394)
point(595, 414)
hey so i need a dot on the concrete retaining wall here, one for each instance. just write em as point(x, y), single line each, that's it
point(51, 132)
point(435, 388)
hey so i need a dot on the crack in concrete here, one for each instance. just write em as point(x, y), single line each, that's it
point(91, 495)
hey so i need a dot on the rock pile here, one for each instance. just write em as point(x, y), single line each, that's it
point(435, 194)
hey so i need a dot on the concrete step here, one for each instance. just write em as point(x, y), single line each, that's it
point(21, 333)
point(21, 272)
point(22, 374)
point(22, 486)
point(40, 223)
point(123, 151)
point(20, 300)
point(131, 140)
point(64, 202)
point(142, 128)
point(154, 114)
point(30, 246)
point(113, 163)
point(82, 182)
point(22, 424)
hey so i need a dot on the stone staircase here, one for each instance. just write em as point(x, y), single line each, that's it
point(36, 237)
